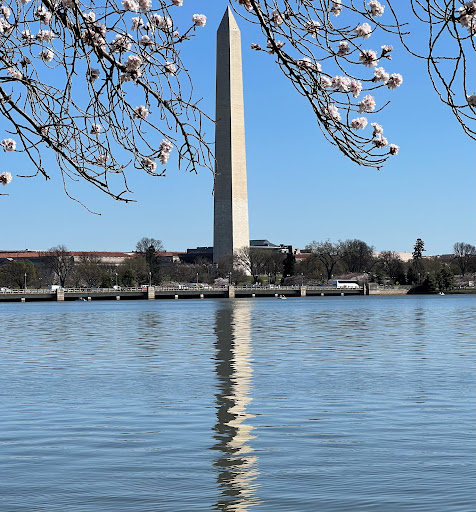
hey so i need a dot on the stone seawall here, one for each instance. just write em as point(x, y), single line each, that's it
point(394, 290)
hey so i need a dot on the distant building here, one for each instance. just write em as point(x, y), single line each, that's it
point(404, 256)
point(106, 258)
point(197, 254)
point(267, 245)
point(169, 257)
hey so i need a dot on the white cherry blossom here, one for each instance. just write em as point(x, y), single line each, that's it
point(367, 104)
point(8, 144)
point(5, 178)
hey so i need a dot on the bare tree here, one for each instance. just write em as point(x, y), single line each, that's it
point(392, 265)
point(105, 89)
point(327, 253)
point(144, 244)
point(464, 253)
point(356, 255)
point(60, 261)
point(89, 269)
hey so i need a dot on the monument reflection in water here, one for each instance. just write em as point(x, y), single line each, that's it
point(236, 466)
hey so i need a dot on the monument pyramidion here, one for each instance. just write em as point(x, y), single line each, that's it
point(231, 229)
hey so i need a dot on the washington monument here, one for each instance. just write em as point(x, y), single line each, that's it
point(230, 231)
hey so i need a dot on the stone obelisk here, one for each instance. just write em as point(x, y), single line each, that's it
point(231, 231)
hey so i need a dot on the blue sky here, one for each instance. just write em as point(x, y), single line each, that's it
point(300, 188)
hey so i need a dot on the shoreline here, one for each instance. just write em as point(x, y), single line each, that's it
point(163, 293)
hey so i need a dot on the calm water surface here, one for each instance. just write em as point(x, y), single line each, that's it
point(313, 404)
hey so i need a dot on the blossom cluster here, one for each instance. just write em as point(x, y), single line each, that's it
point(199, 20)
point(467, 16)
point(5, 178)
point(376, 8)
point(141, 112)
point(165, 149)
point(149, 164)
point(8, 144)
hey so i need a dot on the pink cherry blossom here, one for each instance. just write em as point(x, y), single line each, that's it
point(336, 8)
point(136, 23)
point(8, 144)
point(90, 16)
point(359, 123)
point(121, 43)
point(145, 40)
point(170, 68)
point(342, 83)
point(471, 100)
point(46, 55)
point(306, 63)
point(161, 22)
point(133, 63)
point(333, 112)
point(367, 104)
point(380, 75)
point(363, 31)
point(45, 36)
point(380, 142)
point(269, 45)
point(5, 11)
point(376, 8)
point(145, 5)
point(326, 82)
point(95, 129)
point(393, 149)
point(5, 27)
point(149, 164)
point(130, 5)
point(102, 159)
point(165, 149)
point(199, 20)
point(312, 27)
point(15, 73)
point(368, 58)
point(246, 4)
point(43, 15)
point(178, 3)
point(277, 17)
point(255, 46)
point(395, 80)
point(27, 36)
point(355, 88)
point(343, 48)
point(378, 129)
point(5, 178)
point(141, 112)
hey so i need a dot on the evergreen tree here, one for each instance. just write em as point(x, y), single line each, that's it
point(289, 264)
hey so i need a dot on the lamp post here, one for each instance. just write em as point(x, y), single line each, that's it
point(229, 279)
point(197, 279)
point(116, 279)
point(150, 278)
point(25, 280)
point(302, 279)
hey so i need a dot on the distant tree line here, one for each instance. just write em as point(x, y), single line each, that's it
point(320, 263)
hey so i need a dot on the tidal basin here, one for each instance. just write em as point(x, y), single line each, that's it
point(308, 404)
